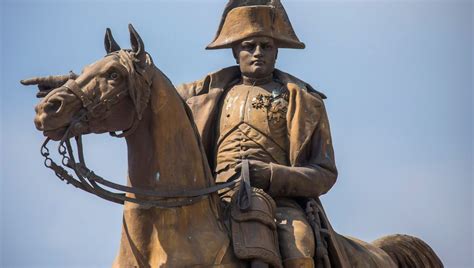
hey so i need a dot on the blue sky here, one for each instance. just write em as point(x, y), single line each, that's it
point(398, 75)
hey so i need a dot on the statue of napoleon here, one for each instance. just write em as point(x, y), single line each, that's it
point(269, 130)
point(272, 119)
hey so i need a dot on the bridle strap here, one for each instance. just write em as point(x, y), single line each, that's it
point(244, 195)
point(87, 102)
point(126, 132)
point(72, 86)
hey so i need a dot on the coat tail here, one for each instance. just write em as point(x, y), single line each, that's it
point(409, 251)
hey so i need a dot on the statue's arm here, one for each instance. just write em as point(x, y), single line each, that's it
point(48, 83)
point(316, 175)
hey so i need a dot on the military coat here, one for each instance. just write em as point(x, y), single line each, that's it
point(312, 171)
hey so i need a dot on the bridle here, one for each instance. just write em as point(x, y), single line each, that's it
point(90, 182)
point(98, 109)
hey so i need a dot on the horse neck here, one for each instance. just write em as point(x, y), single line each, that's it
point(165, 151)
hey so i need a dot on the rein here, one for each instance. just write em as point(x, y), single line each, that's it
point(92, 183)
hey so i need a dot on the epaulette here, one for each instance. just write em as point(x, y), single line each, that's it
point(311, 89)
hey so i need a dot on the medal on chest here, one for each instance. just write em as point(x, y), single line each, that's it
point(275, 104)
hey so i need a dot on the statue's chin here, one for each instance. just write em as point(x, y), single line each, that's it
point(56, 134)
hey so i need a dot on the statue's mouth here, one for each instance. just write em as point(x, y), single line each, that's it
point(258, 62)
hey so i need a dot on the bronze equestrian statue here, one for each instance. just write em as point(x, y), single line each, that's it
point(225, 171)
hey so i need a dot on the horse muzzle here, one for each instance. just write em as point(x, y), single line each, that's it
point(56, 112)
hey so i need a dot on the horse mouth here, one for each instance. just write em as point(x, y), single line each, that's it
point(77, 129)
point(55, 134)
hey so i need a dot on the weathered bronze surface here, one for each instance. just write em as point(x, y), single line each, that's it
point(225, 171)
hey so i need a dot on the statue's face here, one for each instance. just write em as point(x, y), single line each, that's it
point(256, 56)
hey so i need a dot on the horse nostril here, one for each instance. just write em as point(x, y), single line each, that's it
point(53, 106)
point(38, 123)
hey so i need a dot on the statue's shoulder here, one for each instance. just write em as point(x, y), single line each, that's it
point(188, 90)
point(316, 93)
point(301, 85)
point(218, 79)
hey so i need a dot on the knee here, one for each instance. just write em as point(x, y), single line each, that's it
point(295, 234)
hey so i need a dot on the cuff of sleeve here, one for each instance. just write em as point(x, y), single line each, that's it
point(278, 180)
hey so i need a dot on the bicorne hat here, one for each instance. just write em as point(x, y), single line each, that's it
point(249, 18)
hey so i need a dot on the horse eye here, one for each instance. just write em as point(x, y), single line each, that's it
point(114, 75)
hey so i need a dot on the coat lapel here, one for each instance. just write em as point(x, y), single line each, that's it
point(204, 109)
point(205, 104)
point(303, 114)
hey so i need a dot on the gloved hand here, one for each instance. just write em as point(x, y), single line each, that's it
point(260, 173)
point(48, 83)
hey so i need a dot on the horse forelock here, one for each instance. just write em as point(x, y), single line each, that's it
point(139, 81)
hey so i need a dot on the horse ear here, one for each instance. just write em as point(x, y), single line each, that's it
point(137, 44)
point(109, 42)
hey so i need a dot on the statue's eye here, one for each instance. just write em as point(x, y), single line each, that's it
point(248, 47)
point(267, 46)
point(114, 76)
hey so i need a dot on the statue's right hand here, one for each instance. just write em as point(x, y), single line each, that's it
point(47, 83)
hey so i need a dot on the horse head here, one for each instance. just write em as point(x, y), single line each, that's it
point(109, 95)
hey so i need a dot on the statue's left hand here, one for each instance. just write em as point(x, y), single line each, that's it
point(260, 173)
point(48, 83)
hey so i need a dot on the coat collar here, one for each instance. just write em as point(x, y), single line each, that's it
point(230, 75)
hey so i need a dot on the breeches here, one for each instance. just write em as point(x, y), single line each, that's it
point(295, 235)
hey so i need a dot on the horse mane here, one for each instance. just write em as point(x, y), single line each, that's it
point(164, 94)
point(139, 84)
point(165, 81)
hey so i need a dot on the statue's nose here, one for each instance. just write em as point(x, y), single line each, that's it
point(258, 52)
